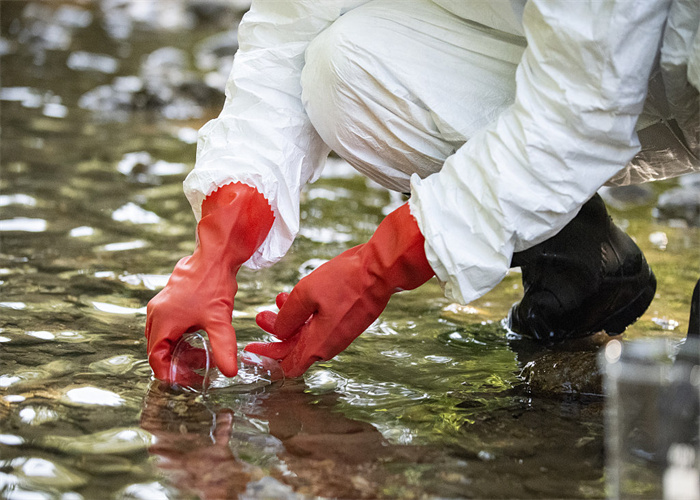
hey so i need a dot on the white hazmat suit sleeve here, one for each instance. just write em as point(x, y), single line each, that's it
point(263, 136)
point(580, 88)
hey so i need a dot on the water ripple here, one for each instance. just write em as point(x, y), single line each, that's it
point(133, 213)
point(120, 441)
point(115, 309)
point(124, 245)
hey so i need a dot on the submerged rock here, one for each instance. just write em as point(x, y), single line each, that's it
point(558, 373)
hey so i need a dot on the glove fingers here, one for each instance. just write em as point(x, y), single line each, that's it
point(314, 346)
point(281, 299)
point(159, 357)
point(162, 337)
point(293, 314)
point(299, 359)
point(274, 350)
point(266, 321)
point(223, 346)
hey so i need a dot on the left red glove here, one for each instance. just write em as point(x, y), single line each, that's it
point(334, 304)
point(199, 295)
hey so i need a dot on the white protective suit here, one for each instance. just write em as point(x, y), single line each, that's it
point(502, 117)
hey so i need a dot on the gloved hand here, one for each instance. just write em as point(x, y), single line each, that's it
point(334, 304)
point(199, 294)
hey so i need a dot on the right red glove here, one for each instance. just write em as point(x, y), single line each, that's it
point(334, 304)
point(199, 294)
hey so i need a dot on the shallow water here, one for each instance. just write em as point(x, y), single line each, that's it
point(430, 402)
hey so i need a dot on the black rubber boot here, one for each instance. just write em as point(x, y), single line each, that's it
point(588, 278)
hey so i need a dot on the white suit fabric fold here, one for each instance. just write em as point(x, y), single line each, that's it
point(263, 136)
point(509, 115)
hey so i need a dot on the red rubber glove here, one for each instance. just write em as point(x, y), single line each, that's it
point(333, 305)
point(199, 294)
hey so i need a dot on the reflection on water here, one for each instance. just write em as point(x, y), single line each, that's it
point(99, 107)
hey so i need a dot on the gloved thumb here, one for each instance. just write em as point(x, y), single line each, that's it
point(222, 337)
